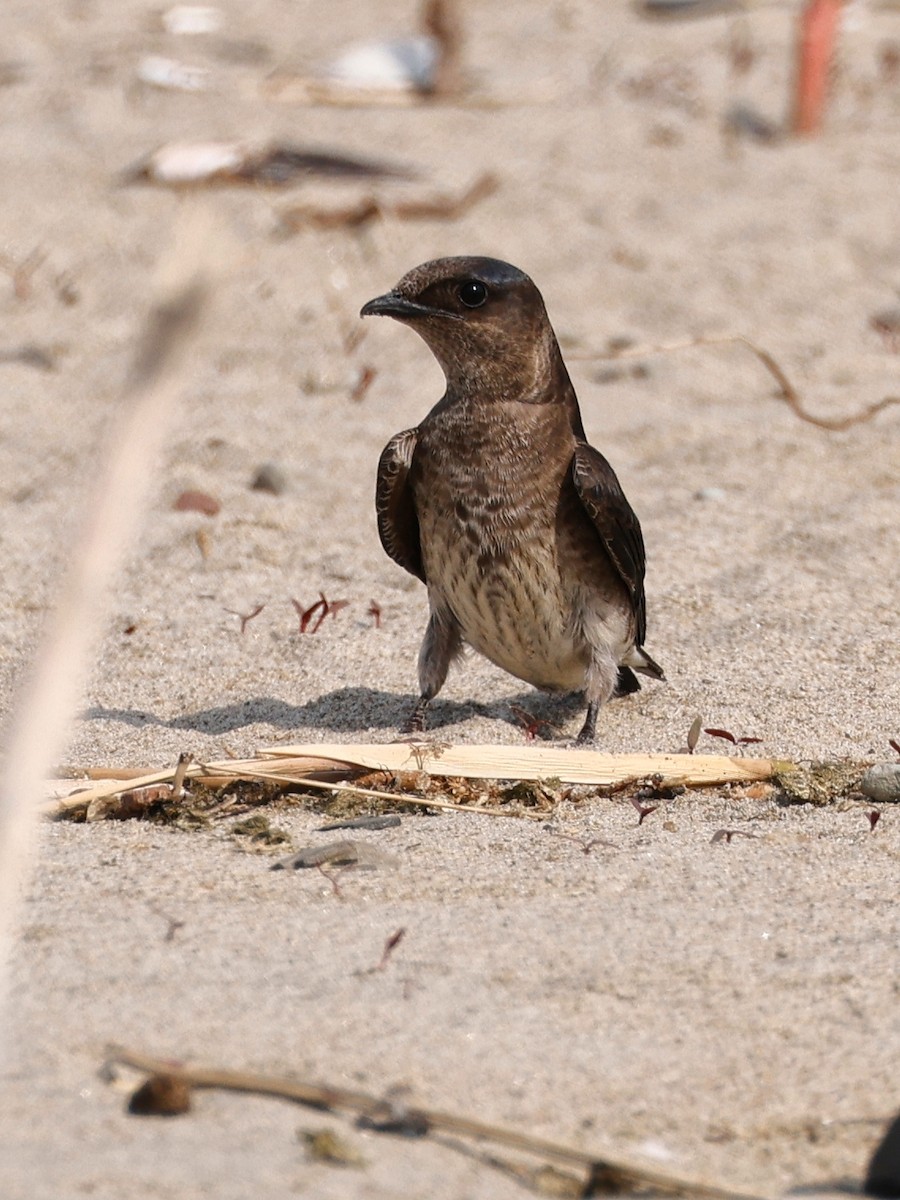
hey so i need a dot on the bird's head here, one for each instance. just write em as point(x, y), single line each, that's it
point(485, 323)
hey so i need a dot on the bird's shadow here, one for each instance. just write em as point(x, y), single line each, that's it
point(347, 710)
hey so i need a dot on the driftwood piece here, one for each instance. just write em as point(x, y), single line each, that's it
point(330, 766)
point(788, 392)
point(616, 1172)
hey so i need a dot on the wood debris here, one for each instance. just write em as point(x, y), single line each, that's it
point(436, 206)
point(187, 164)
point(490, 780)
point(610, 1171)
point(788, 392)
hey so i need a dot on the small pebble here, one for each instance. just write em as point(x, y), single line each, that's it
point(161, 1096)
point(710, 493)
point(269, 477)
point(744, 121)
point(882, 783)
point(194, 501)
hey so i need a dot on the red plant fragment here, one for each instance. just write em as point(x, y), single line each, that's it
point(374, 611)
point(362, 385)
point(389, 946)
point(530, 723)
point(642, 811)
point(320, 610)
point(722, 733)
point(725, 835)
point(874, 817)
point(307, 614)
point(894, 745)
point(245, 618)
point(193, 501)
point(729, 737)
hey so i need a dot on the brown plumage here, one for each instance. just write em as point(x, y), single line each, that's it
point(520, 529)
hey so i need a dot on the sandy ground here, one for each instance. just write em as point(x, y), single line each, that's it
point(729, 1010)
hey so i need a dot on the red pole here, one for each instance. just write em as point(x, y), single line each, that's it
point(818, 33)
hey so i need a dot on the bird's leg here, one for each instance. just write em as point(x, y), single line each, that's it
point(417, 719)
point(441, 644)
point(589, 728)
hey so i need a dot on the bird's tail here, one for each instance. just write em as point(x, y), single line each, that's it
point(638, 658)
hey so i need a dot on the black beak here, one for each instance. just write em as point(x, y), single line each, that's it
point(392, 304)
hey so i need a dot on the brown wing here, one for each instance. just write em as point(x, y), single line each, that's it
point(614, 519)
point(398, 524)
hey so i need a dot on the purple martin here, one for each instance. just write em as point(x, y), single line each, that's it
point(519, 529)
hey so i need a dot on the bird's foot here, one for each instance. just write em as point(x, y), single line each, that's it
point(417, 720)
point(589, 728)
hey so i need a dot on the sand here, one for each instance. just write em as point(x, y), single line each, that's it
point(727, 1009)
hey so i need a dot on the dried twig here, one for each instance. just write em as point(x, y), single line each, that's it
point(44, 706)
point(440, 206)
point(788, 392)
point(379, 1112)
point(726, 835)
point(305, 766)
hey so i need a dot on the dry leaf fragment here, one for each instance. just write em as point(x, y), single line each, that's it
point(694, 734)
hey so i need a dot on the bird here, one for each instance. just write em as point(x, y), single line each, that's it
point(520, 530)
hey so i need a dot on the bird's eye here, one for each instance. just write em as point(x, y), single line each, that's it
point(472, 293)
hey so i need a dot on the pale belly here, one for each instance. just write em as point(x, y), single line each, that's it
point(512, 608)
point(511, 554)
